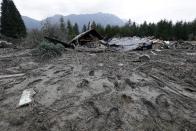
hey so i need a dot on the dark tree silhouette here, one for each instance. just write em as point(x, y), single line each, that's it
point(12, 24)
point(84, 28)
point(76, 29)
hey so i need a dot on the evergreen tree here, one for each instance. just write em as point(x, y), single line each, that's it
point(93, 25)
point(125, 30)
point(62, 25)
point(84, 28)
point(194, 27)
point(70, 30)
point(164, 29)
point(108, 31)
point(179, 31)
point(133, 29)
point(143, 29)
point(151, 29)
point(46, 28)
point(100, 28)
point(62, 30)
point(89, 25)
point(76, 29)
point(12, 24)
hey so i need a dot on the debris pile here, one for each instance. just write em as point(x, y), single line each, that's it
point(131, 43)
point(183, 45)
point(90, 39)
point(159, 44)
point(5, 44)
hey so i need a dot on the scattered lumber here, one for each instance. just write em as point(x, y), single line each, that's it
point(10, 76)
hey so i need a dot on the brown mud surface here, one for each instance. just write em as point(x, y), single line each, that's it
point(110, 91)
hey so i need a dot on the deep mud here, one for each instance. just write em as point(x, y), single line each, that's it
point(109, 91)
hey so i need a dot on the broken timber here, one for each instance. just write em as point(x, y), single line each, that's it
point(10, 76)
point(55, 41)
point(87, 37)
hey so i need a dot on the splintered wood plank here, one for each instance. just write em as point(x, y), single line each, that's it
point(10, 76)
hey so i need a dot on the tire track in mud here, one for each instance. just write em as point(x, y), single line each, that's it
point(130, 97)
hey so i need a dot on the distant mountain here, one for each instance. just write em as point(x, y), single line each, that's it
point(31, 23)
point(100, 18)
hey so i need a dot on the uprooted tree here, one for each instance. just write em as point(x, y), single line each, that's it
point(12, 24)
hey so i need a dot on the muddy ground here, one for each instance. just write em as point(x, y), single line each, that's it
point(111, 91)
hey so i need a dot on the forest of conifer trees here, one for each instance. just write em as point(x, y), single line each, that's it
point(166, 30)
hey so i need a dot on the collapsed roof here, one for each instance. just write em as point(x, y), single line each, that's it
point(85, 37)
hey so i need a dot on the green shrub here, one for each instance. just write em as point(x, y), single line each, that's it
point(47, 51)
point(60, 47)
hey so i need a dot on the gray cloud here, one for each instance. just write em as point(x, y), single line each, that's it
point(137, 10)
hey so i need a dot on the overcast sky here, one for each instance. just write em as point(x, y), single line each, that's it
point(136, 10)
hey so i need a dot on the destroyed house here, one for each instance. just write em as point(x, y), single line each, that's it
point(87, 38)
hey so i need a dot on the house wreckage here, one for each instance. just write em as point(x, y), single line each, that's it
point(92, 40)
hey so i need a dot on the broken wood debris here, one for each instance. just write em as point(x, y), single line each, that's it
point(88, 35)
point(90, 38)
point(10, 76)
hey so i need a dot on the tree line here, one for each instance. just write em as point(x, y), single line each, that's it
point(63, 30)
point(13, 26)
point(164, 29)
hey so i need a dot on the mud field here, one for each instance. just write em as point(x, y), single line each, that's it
point(111, 91)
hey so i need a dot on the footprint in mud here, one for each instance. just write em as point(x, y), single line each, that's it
point(38, 123)
point(59, 71)
point(152, 110)
point(130, 83)
point(113, 118)
point(119, 86)
point(95, 109)
point(15, 120)
point(52, 81)
point(108, 87)
point(119, 77)
point(186, 125)
point(83, 84)
point(37, 73)
point(33, 83)
point(51, 67)
point(165, 116)
point(163, 101)
point(190, 90)
point(127, 99)
point(66, 73)
point(92, 73)
point(2, 93)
